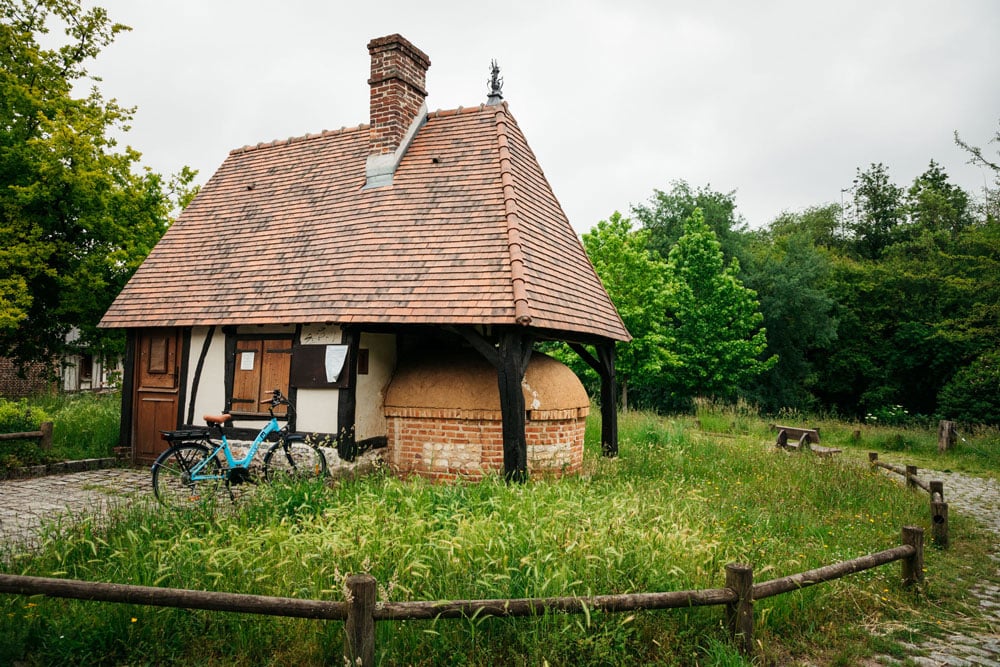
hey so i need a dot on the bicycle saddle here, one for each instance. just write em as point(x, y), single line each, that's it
point(217, 419)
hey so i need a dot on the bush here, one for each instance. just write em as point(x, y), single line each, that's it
point(19, 417)
point(972, 396)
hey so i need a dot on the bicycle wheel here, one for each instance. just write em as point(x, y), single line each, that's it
point(172, 481)
point(294, 460)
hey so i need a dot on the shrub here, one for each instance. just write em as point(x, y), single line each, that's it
point(18, 417)
point(972, 396)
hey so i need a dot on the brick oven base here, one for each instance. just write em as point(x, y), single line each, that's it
point(449, 445)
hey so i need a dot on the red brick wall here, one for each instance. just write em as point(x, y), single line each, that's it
point(34, 383)
point(462, 444)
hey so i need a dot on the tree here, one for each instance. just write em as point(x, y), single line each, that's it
point(665, 215)
point(635, 280)
point(791, 276)
point(991, 195)
point(823, 224)
point(713, 319)
point(878, 210)
point(933, 204)
point(76, 215)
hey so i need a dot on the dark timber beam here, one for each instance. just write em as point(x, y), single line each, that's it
point(347, 398)
point(510, 356)
point(604, 364)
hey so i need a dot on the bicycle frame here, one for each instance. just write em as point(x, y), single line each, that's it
point(231, 461)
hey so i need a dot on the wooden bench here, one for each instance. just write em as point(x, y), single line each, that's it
point(792, 437)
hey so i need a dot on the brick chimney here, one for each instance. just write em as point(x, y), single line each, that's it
point(398, 80)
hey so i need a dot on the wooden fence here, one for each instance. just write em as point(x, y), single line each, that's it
point(360, 612)
point(935, 489)
point(43, 435)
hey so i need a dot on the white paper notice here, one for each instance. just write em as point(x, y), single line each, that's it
point(246, 361)
point(335, 357)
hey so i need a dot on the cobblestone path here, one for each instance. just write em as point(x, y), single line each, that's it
point(980, 498)
point(26, 503)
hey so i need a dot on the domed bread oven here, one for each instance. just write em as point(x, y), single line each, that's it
point(443, 417)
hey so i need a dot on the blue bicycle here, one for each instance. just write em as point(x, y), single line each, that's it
point(196, 469)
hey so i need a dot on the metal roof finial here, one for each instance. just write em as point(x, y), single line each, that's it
point(495, 83)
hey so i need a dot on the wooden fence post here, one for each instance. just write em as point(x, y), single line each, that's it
point(359, 644)
point(873, 459)
point(913, 566)
point(939, 523)
point(911, 472)
point(739, 615)
point(46, 442)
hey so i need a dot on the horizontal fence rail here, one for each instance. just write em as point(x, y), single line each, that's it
point(43, 435)
point(935, 489)
point(361, 611)
point(173, 597)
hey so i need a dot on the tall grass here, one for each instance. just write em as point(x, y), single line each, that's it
point(668, 514)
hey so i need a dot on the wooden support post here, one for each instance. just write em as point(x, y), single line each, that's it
point(359, 643)
point(913, 566)
point(739, 615)
point(609, 399)
point(604, 364)
point(873, 459)
point(937, 486)
point(939, 523)
point(911, 472)
point(45, 443)
point(514, 352)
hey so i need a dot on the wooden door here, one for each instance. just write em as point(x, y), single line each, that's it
point(157, 390)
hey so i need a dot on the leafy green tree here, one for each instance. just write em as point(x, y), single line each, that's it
point(713, 320)
point(823, 224)
point(666, 213)
point(76, 214)
point(635, 280)
point(791, 276)
point(936, 205)
point(878, 210)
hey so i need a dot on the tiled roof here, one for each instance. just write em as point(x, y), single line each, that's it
point(469, 232)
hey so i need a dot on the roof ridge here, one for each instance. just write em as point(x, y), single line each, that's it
point(442, 113)
point(292, 140)
point(439, 113)
point(522, 310)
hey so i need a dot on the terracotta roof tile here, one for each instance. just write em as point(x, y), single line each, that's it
point(469, 232)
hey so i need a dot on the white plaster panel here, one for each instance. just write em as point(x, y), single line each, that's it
point(211, 392)
point(370, 411)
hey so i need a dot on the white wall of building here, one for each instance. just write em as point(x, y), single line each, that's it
point(316, 408)
point(370, 413)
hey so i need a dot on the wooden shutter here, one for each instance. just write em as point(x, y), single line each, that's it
point(261, 365)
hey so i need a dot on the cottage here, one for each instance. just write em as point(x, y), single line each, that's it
point(321, 264)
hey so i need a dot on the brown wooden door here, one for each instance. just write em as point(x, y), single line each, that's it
point(157, 390)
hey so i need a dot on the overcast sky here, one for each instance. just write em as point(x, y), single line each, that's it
point(779, 101)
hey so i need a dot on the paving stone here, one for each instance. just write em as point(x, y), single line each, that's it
point(979, 498)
